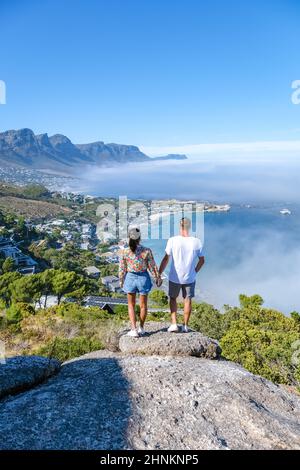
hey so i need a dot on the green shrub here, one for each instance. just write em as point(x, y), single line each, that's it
point(158, 297)
point(208, 320)
point(261, 340)
point(16, 312)
point(75, 312)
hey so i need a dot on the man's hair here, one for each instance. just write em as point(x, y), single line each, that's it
point(185, 223)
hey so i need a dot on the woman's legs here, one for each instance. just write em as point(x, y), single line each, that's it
point(143, 309)
point(131, 310)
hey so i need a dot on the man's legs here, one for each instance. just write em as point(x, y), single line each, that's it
point(174, 290)
point(187, 310)
point(173, 309)
point(188, 291)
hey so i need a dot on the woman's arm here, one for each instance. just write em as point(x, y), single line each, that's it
point(152, 266)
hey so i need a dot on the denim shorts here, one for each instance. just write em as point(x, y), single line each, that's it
point(137, 283)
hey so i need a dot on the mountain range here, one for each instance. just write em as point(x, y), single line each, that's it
point(23, 148)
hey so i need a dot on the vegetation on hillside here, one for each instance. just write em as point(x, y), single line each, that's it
point(264, 341)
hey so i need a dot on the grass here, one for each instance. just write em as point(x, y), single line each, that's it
point(61, 332)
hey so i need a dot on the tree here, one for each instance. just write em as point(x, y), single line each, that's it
point(252, 301)
point(68, 284)
point(27, 289)
point(6, 281)
point(46, 282)
point(8, 265)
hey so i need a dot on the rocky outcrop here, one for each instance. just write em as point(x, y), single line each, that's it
point(157, 341)
point(109, 400)
point(21, 373)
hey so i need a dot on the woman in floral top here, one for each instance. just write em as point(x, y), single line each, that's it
point(135, 262)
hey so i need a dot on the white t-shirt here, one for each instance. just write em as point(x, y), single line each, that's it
point(184, 252)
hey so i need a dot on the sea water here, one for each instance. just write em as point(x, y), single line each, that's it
point(248, 250)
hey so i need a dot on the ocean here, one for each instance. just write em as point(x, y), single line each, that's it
point(249, 250)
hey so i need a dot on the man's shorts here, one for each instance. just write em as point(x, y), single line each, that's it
point(188, 290)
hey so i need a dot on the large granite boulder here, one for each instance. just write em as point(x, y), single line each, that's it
point(23, 372)
point(157, 341)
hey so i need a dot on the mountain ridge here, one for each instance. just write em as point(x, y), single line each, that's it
point(23, 148)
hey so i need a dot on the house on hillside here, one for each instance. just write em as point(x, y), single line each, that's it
point(103, 305)
point(24, 263)
point(112, 283)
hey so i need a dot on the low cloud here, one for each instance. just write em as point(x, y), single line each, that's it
point(269, 265)
point(199, 179)
point(224, 149)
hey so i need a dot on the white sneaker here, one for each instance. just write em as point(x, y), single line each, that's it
point(185, 329)
point(141, 331)
point(133, 334)
point(173, 328)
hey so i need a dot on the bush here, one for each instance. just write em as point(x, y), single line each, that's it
point(208, 320)
point(64, 349)
point(35, 191)
point(121, 311)
point(72, 311)
point(262, 340)
point(158, 297)
point(16, 312)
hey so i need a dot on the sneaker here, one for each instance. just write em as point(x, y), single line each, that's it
point(185, 329)
point(141, 331)
point(173, 328)
point(133, 334)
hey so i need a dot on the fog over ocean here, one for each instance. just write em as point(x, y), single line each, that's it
point(252, 250)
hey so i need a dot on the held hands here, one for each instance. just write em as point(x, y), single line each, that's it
point(158, 281)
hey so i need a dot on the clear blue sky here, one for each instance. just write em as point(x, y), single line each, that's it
point(151, 72)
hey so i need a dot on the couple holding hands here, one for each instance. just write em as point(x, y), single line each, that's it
point(186, 256)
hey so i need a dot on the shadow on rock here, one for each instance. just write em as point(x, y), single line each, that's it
point(85, 406)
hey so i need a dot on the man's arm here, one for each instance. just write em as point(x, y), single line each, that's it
point(163, 263)
point(200, 264)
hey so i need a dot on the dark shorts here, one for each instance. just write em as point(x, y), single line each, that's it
point(188, 290)
point(137, 283)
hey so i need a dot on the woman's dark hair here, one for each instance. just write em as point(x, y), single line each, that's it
point(133, 243)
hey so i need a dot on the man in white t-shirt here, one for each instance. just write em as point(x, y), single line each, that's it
point(186, 261)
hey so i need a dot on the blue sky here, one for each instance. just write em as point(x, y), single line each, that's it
point(164, 73)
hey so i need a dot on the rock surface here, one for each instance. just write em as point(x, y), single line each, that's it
point(157, 341)
point(113, 401)
point(20, 373)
